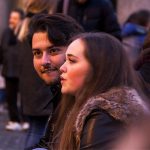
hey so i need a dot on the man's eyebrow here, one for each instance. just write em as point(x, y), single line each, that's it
point(49, 47)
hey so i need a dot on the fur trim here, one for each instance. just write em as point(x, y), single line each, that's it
point(123, 104)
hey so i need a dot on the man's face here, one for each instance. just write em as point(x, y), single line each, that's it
point(14, 20)
point(47, 58)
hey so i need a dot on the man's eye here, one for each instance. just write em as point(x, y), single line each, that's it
point(36, 53)
point(54, 51)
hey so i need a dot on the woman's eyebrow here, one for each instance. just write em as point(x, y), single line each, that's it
point(71, 55)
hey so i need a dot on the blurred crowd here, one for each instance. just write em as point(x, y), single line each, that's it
point(26, 97)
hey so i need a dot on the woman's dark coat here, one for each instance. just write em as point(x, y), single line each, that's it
point(105, 117)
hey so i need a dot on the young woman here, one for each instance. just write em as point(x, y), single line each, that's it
point(101, 94)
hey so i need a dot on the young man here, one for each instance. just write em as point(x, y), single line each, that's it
point(49, 36)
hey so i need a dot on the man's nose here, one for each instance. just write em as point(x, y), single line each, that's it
point(45, 58)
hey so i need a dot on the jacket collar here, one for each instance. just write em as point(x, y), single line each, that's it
point(123, 104)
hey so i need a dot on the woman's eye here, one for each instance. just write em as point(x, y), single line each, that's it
point(72, 61)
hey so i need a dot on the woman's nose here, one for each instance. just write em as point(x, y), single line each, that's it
point(63, 68)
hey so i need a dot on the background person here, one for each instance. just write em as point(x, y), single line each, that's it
point(142, 66)
point(142, 63)
point(93, 15)
point(134, 31)
point(10, 69)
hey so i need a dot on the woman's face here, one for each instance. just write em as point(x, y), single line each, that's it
point(75, 69)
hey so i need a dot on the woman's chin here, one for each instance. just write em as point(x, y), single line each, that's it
point(66, 91)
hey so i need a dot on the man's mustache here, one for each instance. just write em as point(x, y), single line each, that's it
point(48, 67)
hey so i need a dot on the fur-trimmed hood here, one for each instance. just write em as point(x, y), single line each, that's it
point(123, 104)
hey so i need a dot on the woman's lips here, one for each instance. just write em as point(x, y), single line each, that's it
point(62, 79)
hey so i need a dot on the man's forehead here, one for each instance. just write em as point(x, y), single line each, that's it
point(41, 39)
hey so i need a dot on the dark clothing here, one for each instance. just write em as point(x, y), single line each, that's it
point(36, 130)
point(100, 128)
point(142, 64)
point(94, 15)
point(98, 124)
point(145, 72)
point(47, 138)
point(105, 117)
point(11, 97)
point(101, 121)
point(9, 54)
